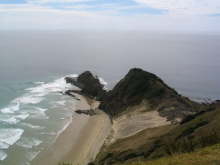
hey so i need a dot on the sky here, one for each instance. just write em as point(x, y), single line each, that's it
point(152, 15)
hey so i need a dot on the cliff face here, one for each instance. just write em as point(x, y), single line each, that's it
point(89, 85)
point(138, 86)
point(199, 131)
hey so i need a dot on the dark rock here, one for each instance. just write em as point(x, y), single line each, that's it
point(90, 112)
point(91, 163)
point(89, 85)
point(73, 81)
point(71, 93)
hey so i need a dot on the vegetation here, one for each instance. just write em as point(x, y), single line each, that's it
point(205, 156)
point(195, 133)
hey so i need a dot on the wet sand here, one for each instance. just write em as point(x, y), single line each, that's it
point(90, 141)
point(81, 141)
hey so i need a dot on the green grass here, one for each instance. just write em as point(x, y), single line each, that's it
point(206, 156)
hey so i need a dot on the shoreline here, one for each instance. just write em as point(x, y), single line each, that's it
point(90, 140)
point(81, 140)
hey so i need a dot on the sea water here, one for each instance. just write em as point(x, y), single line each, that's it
point(33, 110)
point(31, 122)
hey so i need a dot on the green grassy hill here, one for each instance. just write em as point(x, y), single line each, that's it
point(206, 156)
point(195, 133)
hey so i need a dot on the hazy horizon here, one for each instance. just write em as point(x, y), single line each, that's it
point(179, 59)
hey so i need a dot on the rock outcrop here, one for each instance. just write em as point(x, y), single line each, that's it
point(89, 112)
point(197, 132)
point(89, 85)
point(138, 86)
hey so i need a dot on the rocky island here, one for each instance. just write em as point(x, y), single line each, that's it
point(149, 119)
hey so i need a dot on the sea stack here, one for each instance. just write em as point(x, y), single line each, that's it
point(89, 84)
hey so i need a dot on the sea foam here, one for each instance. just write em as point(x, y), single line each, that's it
point(3, 155)
point(11, 108)
point(102, 81)
point(10, 136)
point(28, 142)
point(32, 126)
point(12, 119)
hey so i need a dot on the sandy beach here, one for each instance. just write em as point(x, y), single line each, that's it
point(81, 141)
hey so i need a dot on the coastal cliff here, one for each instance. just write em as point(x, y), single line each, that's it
point(150, 120)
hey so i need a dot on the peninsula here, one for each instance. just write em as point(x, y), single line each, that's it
point(141, 120)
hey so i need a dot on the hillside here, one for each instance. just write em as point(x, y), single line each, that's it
point(205, 156)
point(178, 125)
point(197, 132)
point(140, 86)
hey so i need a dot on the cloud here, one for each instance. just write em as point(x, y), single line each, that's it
point(184, 7)
point(56, 1)
point(181, 16)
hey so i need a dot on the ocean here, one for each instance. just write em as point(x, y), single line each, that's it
point(33, 64)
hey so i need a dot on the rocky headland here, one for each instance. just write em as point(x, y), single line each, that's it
point(149, 119)
point(89, 85)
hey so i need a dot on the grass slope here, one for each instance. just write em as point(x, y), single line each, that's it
point(205, 156)
point(199, 132)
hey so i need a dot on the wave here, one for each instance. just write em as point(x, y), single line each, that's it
point(3, 155)
point(22, 116)
point(11, 108)
point(38, 113)
point(32, 126)
point(28, 142)
point(33, 96)
point(9, 136)
point(4, 145)
point(102, 81)
point(9, 119)
point(36, 94)
point(28, 99)
point(58, 85)
point(41, 109)
point(62, 102)
point(39, 82)
point(64, 127)
point(49, 133)
point(31, 155)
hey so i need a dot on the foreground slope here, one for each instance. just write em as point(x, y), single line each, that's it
point(205, 156)
point(196, 132)
point(139, 94)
